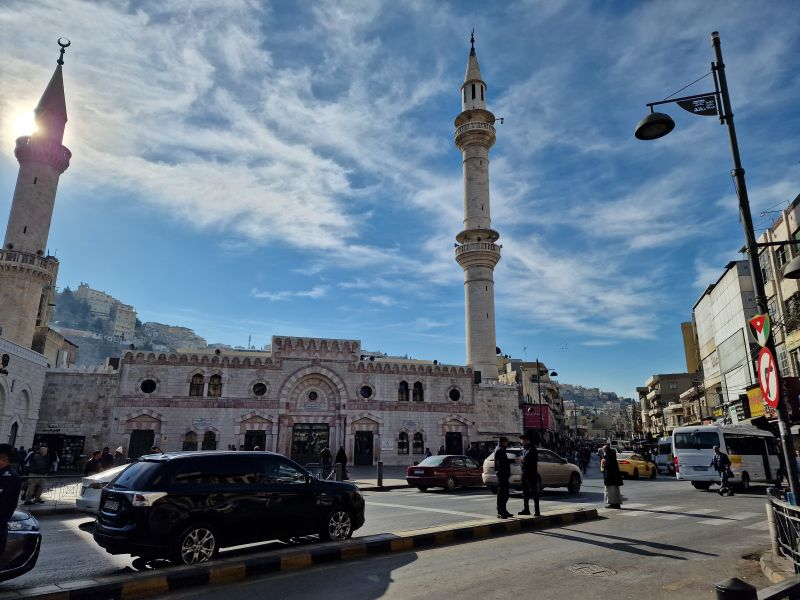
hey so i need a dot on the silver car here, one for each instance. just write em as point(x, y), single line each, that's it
point(554, 471)
point(89, 499)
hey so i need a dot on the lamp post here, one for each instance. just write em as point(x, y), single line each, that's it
point(539, 390)
point(656, 125)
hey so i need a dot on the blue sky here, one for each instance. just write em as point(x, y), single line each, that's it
point(259, 168)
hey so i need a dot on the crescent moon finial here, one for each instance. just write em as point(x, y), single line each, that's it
point(64, 45)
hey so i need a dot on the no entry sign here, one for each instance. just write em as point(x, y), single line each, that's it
point(768, 377)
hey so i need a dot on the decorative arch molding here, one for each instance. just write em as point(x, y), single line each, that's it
point(258, 414)
point(316, 370)
point(23, 399)
point(453, 420)
point(142, 419)
point(365, 417)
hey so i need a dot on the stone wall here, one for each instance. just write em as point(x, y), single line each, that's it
point(20, 393)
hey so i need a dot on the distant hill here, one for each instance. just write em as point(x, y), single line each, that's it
point(591, 397)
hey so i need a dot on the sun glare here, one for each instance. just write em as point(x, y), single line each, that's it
point(23, 124)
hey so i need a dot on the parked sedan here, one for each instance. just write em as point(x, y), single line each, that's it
point(635, 466)
point(89, 499)
point(22, 549)
point(554, 471)
point(447, 471)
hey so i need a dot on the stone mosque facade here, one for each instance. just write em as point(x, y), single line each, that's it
point(304, 393)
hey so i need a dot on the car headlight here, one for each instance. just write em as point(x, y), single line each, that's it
point(29, 524)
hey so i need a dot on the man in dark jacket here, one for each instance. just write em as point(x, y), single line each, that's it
point(94, 464)
point(722, 465)
point(530, 476)
point(106, 459)
point(10, 484)
point(39, 464)
point(502, 467)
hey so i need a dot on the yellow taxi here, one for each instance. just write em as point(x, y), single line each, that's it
point(634, 465)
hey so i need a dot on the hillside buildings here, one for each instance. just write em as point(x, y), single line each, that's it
point(121, 317)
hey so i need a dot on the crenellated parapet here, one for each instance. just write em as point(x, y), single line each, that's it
point(319, 348)
point(200, 360)
point(44, 151)
point(43, 267)
point(410, 369)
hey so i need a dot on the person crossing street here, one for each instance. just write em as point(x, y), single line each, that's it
point(502, 467)
point(530, 476)
point(722, 465)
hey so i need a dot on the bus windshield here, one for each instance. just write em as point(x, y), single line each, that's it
point(697, 440)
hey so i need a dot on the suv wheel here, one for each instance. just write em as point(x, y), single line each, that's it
point(337, 526)
point(198, 543)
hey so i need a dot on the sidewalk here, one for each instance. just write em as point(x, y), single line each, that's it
point(366, 478)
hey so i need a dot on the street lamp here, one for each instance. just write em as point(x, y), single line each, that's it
point(656, 125)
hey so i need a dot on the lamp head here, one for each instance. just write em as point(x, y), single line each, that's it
point(654, 126)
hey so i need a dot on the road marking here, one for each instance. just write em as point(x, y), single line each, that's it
point(761, 525)
point(457, 513)
point(635, 505)
point(743, 515)
point(689, 513)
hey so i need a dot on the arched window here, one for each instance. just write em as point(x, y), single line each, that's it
point(402, 391)
point(196, 387)
point(190, 441)
point(481, 92)
point(418, 447)
point(473, 91)
point(12, 436)
point(419, 394)
point(402, 443)
point(215, 386)
point(209, 441)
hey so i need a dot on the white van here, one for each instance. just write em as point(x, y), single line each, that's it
point(753, 454)
point(664, 458)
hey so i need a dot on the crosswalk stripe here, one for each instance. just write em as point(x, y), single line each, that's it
point(742, 516)
point(689, 513)
point(762, 525)
point(718, 521)
point(635, 505)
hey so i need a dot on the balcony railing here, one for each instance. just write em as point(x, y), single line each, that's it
point(48, 264)
point(477, 246)
point(473, 125)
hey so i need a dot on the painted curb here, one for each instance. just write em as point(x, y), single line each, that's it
point(142, 585)
point(772, 571)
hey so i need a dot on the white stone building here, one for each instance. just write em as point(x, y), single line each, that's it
point(305, 393)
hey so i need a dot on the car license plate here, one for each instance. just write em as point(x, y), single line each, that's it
point(419, 472)
point(701, 468)
point(111, 505)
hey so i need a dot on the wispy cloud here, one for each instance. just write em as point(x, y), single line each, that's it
point(316, 292)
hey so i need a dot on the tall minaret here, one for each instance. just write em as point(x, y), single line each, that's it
point(27, 276)
point(476, 251)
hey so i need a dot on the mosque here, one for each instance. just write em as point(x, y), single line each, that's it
point(303, 394)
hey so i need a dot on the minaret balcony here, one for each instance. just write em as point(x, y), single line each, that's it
point(480, 131)
point(478, 253)
point(46, 266)
point(42, 151)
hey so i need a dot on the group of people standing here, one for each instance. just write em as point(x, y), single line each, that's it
point(530, 477)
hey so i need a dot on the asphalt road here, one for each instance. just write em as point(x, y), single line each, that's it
point(666, 533)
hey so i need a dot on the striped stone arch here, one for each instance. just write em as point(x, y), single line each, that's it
point(142, 419)
point(312, 370)
point(455, 423)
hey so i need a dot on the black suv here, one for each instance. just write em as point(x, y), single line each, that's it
point(185, 506)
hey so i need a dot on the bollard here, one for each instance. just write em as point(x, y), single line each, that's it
point(339, 472)
point(736, 589)
point(380, 473)
point(773, 530)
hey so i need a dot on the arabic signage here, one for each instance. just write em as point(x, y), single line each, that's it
point(755, 398)
point(537, 417)
point(705, 105)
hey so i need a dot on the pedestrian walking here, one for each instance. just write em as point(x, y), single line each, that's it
point(10, 484)
point(502, 466)
point(119, 456)
point(530, 476)
point(612, 478)
point(38, 466)
point(106, 458)
point(94, 464)
point(722, 465)
point(427, 454)
point(441, 451)
point(341, 459)
point(326, 460)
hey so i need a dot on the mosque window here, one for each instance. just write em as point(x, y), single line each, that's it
point(454, 395)
point(402, 443)
point(402, 391)
point(366, 391)
point(209, 440)
point(473, 91)
point(259, 389)
point(313, 396)
point(465, 94)
point(419, 394)
point(196, 387)
point(190, 441)
point(35, 179)
point(481, 92)
point(215, 386)
point(418, 447)
point(148, 386)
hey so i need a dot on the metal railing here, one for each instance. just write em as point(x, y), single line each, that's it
point(55, 488)
point(786, 519)
point(736, 589)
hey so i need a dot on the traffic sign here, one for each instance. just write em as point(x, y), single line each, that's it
point(768, 377)
point(761, 328)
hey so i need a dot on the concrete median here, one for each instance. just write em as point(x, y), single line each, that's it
point(222, 571)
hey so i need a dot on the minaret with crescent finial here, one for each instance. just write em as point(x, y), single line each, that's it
point(476, 250)
point(27, 273)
